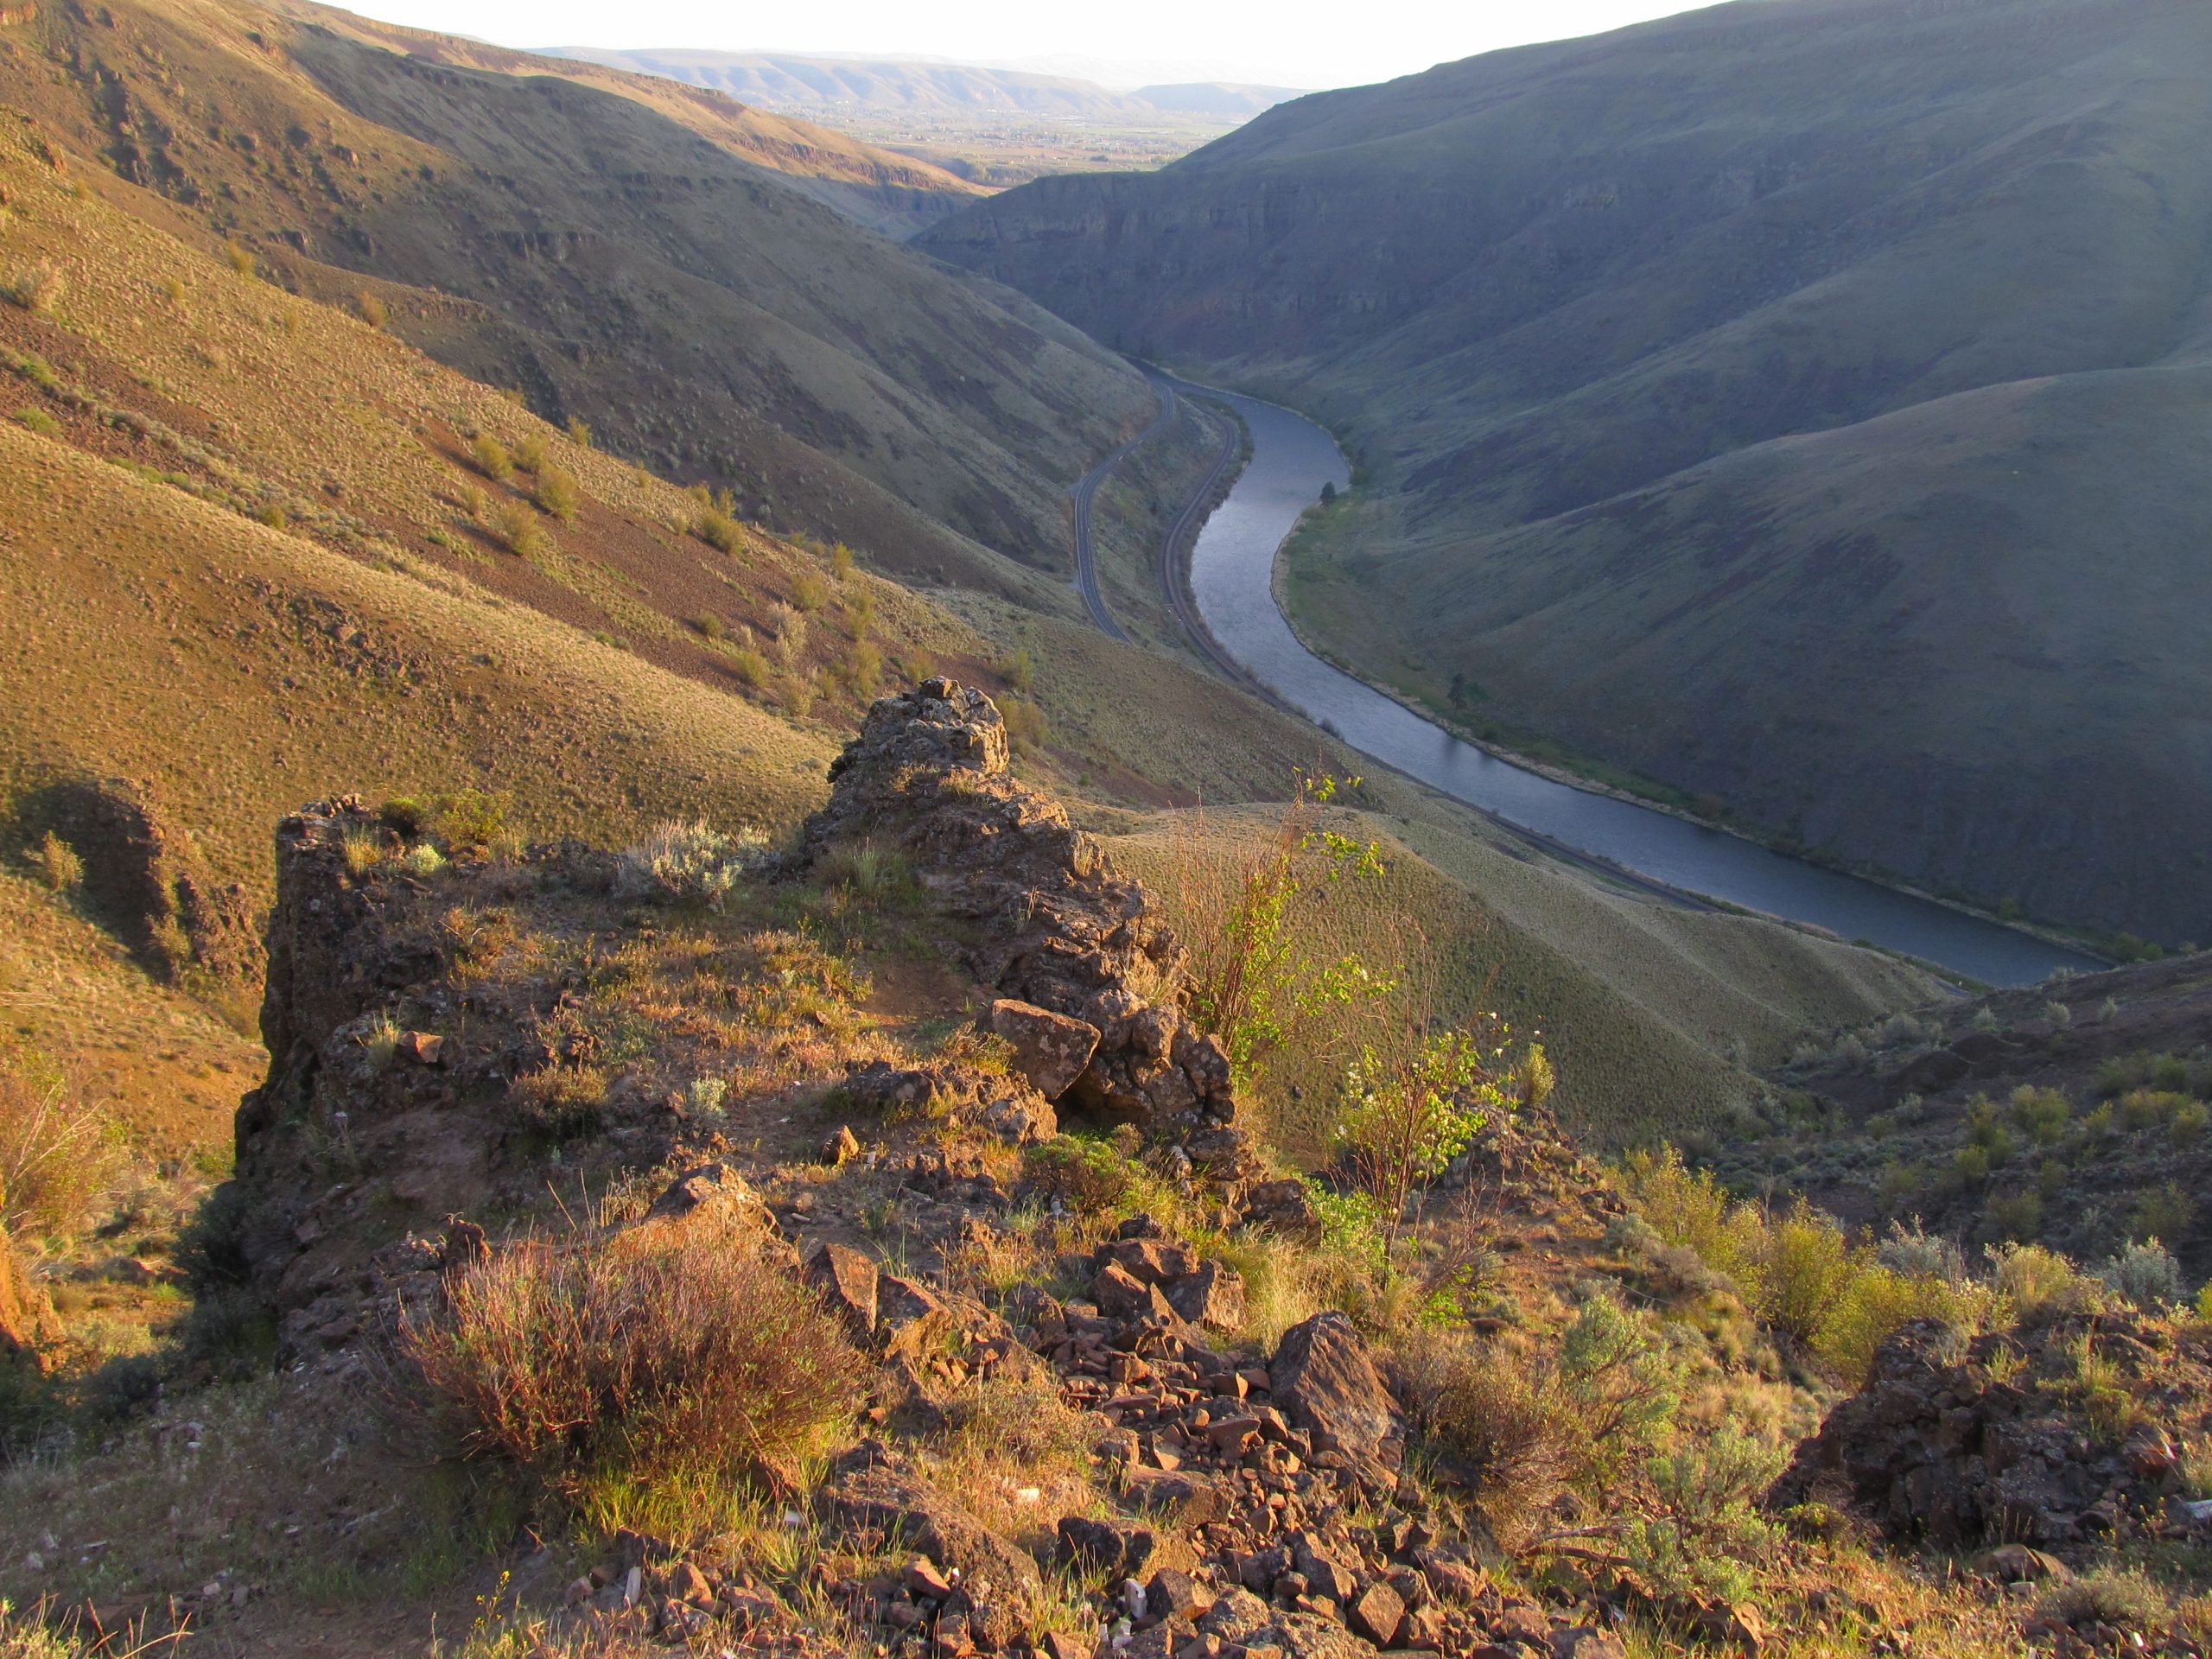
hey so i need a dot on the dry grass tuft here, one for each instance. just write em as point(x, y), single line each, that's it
point(665, 1351)
point(60, 1155)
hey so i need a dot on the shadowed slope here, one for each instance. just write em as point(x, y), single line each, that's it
point(1614, 326)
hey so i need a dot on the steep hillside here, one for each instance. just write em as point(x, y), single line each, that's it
point(615, 264)
point(892, 193)
point(1802, 403)
point(274, 527)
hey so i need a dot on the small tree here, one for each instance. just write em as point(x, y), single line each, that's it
point(1407, 1117)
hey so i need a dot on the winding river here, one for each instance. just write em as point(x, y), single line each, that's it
point(1232, 569)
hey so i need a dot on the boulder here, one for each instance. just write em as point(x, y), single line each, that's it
point(1115, 1548)
point(847, 1280)
point(1323, 1380)
point(910, 1319)
point(1050, 1049)
point(887, 1503)
point(1375, 1613)
point(1214, 1296)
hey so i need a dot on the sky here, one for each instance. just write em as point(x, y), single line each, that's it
point(1308, 44)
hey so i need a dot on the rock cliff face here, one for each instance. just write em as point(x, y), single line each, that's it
point(420, 1067)
point(1077, 954)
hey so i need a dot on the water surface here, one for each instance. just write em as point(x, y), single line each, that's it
point(1231, 577)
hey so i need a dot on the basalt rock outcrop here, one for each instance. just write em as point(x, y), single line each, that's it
point(2056, 1436)
point(1085, 970)
point(146, 883)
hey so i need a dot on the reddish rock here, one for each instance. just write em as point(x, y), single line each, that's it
point(911, 1320)
point(1119, 1293)
point(1375, 1613)
point(1323, 1378)
point(1051, 1050)
point(847, 1280)
point(1214, 1296)
point(423, 1047)
point(1155, 1261)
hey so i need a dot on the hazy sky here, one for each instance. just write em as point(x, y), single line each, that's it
point(1288, 42)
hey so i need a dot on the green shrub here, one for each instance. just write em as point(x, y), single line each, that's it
point(56, 862)
point(580, 432)
point(750, 667)
point(808, 593)
point(238, 256)
point(470, 820)
point(2041, 1114)
point(2164, 1212)
point(530, 452)
point(707, 625)
point(489, 456)
point(515, 527)
point(371, 308)
point(38, 421)
point(671, 1351)
point(37, 290)
point(683, 862)
point(1084, 1173)
point(717, 529)
point(2146, 1275)
point(1026, 729)
point(2038, 1285)
point(864, 669)
point(840, 561)
point(557, 493)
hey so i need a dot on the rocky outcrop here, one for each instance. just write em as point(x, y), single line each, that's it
point(1936, 1447)
point(1076, 953)
point(146, 883)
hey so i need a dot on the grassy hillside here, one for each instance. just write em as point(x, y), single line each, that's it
point(618, 254)
point(1799, 403)
point(256, 553)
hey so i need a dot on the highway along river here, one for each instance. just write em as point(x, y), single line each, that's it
point(1232, 569)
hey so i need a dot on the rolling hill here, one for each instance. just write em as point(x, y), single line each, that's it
point(1802, 403)
point(828, 87)
point(625, 257)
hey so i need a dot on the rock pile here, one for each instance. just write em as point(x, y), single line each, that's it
point(1085, 970)
point(2051, 1437)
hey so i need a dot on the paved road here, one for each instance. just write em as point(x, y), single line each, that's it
point(1086, 567)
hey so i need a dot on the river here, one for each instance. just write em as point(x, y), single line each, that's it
point(1232, 569)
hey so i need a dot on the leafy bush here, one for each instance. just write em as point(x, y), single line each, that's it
point(37, 289)
point(1019, 670)
point(1408, 1116)
point(2042, 1113)
point(371, 308)
point(1083, 1173)
point(808, 593)
point(489, 456)
point(56, 862)
point(2164, 1212)
point(530, 452)
point(717, 529)
point(515, 527)
point(665, 1351)
point(38, 421)
point(557, 494)
point(1709, 1530)
point(580, 432)
point(2146, 1275)
point(2038, 1285)
point(1026, 727)
point(470, 820)
point(682, 862)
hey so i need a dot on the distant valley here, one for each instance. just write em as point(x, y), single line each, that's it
point(1801, 406)
point(995, 126)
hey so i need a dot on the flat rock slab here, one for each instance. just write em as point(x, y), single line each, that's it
point(1322, 1376)
point(1051, 1050)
